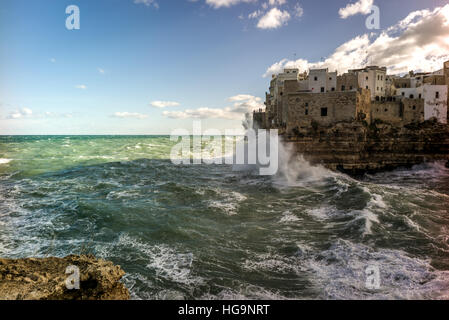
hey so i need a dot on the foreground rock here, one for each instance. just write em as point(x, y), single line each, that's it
point(45, 279)
point(357, 148)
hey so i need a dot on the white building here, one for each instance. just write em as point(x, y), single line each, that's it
point(321, 80)
point(435, 100)
point(373, 78)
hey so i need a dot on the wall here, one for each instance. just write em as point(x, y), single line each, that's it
point(434, 107)
point(331, 84)
point(413, 110)
point(388, 111)
point(320, 82)
point(411, 93)
point(340, 106)
point(348, 80)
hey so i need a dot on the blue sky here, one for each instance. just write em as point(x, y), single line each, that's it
point(209, 59)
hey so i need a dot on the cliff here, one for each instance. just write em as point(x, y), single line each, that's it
point(45, 279)
point(356, 147)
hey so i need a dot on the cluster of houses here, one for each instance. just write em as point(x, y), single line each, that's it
point(297, 100)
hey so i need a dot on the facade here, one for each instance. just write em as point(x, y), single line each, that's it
point(372, 78)
point(306, 108)
point(299, 100)
point(321, 80)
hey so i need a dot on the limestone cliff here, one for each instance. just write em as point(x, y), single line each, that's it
point(44, 279)
point(356, 147)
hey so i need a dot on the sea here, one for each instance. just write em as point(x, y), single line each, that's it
point(219, 231)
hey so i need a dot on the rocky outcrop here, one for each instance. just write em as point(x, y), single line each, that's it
point(45, 279)
point(356, 147)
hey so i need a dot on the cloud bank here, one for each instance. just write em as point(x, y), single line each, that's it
point(241, 104)
point(420, 42)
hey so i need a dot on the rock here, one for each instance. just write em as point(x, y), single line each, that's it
point(45, 279)
point(357, 148)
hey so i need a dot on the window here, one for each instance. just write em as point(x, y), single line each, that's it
point(307, 112)
point(350, 88)
point(403, 93)
point(420, 95)
point(333, 89)
point(307, 104)
point(386, 110)
point(330, 78)
point(437, 95)
point(281, 93)
point(316, 79)
point(324, 112)
point(367, 87)
point(366, 78)
point(342, 88)
point(414, 107)
point(412, 96)
point(322, 89)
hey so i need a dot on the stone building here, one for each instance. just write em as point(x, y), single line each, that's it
point(307, 108)
point(297, 100)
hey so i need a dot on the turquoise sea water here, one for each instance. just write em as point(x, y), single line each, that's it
point(215, 232)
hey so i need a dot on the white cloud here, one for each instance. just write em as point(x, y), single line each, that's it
point(273, 19)
point(100, 70)
point(242, 104)
point(298, 11)
point(148, 3)
point(255, 14)
point(27, 113)
point(129, 115)
point(361, 6)
point(418, 42)
point(21, 113)
point(164, 104)
point(225, 3)
point(81, 86)
point(277, 2)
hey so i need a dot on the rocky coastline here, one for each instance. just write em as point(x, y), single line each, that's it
point(357, 148)
point(46, 279)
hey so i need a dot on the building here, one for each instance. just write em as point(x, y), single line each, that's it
point(372, 78)
point(321, 80)
point(299, 100)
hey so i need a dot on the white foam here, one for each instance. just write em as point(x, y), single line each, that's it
point(167, 262)
point(287, 216)
point(5, 161)
point(339, 273)
point(229, 202)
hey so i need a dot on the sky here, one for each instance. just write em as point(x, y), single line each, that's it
point(153, 66)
